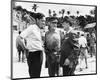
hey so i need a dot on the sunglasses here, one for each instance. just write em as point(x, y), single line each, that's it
point(54, 22)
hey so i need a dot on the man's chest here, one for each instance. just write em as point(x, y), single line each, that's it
point(52, 36)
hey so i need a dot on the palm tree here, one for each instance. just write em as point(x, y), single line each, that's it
point(34, 7)
point(68, 12)
point(63, 11)
point(54, 14)
point(92, 12)
point(95, 11)
point(49, 12)
point(77, 12)
point(59, 12)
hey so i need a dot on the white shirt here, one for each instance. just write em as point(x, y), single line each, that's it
point(70, 29)
point(82, 41)
point(33, 36)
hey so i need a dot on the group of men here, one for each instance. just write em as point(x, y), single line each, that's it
point(61, 48)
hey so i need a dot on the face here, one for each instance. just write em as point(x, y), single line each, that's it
point(65, 26)
point(41, 23)
point(53, 24)
point(72, 35)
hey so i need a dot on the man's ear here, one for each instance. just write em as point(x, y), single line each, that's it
point(37, 20)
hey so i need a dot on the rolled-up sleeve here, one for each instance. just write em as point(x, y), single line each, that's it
point(26, 32)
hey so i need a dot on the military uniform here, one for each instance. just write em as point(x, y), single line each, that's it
point(69, 55)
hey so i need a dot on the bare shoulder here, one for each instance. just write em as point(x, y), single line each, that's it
point(47, 33)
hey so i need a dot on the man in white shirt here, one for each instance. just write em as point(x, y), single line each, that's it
point(83, 50)
point(32, 35)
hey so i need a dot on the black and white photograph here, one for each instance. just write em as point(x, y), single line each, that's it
point(53, 39)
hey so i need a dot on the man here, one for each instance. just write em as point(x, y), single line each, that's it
point(20, 48)
point(67, 26)
point(83, 50)
point(52, 47)
point(34, 43)
point(93, 44)
point(69, 50)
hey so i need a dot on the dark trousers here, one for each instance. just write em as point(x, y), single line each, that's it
point(34, 61)
point(53, 66)
point(67, 71)
point(53, 69)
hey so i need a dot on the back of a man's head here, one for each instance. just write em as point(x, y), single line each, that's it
point(52, 19)
point(39, 15)
point(32, 14)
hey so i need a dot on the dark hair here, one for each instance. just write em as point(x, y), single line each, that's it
point(18, 8)
point(39, 15)
point(32, 14)
point(66, 19)
point(47, 19)
point(52, 18)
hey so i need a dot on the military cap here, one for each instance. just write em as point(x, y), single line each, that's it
point(52, 19)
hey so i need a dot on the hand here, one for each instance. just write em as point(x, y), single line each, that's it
point(67, 62)
point(26, 48)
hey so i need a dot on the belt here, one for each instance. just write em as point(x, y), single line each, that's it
point(35, 51)
point(83, 47)
point(51, 50)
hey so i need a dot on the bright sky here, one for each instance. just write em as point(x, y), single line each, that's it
point(43, 8)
